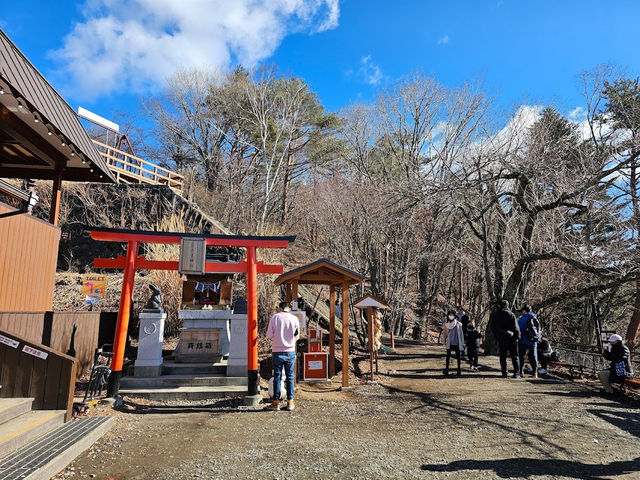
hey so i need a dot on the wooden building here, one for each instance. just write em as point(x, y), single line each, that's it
point(40, 138)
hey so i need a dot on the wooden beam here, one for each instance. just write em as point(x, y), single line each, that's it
point(294, 290)
point(210, 267)
point(168, 239)
point(324, 279)
point(54, 210)
point(345, 334)
point(332, 331)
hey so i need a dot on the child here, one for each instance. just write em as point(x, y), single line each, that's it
point(545, 354)
point(453, 339)
point(474, 340)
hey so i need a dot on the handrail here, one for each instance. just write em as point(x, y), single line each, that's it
point(126, 165)
point(30, 369)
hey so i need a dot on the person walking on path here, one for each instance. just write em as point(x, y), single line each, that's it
point(620, 368)
point(530, 334)
point(464, 320)
point(506, 331)
point(473, 340)
point(453, 339)
point(284, 331)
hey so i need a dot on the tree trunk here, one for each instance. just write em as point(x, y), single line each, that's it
point(634, 324)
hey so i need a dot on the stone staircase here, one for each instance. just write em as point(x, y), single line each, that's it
point(186, 381)
point(37, 444)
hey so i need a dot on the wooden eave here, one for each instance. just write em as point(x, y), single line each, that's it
point(39, 132)
point(321, 272)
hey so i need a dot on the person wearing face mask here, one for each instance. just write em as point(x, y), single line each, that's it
point(453, 339)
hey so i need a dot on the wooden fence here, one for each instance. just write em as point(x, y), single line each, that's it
point(29, 369)
point(54, 330)
point(28, 258)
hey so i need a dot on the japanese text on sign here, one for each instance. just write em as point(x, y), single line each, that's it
point(35, 352)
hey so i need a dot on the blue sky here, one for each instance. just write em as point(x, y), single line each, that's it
point(105, 57)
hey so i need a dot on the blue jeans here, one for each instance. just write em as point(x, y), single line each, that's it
point(286, 360)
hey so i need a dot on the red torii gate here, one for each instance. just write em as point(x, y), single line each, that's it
point(251, 267)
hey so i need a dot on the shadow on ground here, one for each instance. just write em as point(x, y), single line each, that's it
point(531, 467)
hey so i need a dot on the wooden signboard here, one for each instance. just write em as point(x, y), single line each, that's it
point(193, 254)
point(94, 285)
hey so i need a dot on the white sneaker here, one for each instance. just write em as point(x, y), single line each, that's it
point(542, 371)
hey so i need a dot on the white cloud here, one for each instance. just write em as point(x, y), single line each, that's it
point(369, 71)
point(443, 40)
point(136, 44)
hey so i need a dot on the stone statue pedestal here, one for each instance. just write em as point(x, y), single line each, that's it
point(238, 358)
point(149, 360)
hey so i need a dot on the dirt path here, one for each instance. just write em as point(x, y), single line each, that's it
point(416, 424)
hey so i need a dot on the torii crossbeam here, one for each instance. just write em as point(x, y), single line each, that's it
point(132, 262)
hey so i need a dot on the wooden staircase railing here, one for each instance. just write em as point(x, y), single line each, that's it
point(132, 169)
point(29, 369)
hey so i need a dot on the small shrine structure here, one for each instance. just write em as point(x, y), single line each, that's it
point(371, 303)
point(326, 272)
point(132, 262)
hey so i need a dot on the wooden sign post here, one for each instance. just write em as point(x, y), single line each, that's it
point(370, 303)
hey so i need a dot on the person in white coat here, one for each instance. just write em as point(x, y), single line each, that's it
point(453, 339)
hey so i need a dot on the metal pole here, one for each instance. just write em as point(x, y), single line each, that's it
point(252, 318)
point(122, 325)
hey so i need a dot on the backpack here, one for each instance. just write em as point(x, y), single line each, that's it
point(534, 331)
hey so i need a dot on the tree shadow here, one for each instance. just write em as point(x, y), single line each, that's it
point(627, 421)
point(532, 467)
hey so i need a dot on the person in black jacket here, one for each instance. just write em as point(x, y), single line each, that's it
point(506, 331)
point(473, 342)
point(620, 368)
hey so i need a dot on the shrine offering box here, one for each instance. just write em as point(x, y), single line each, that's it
point(315, 340)
point(316, 366)
point(212, 290)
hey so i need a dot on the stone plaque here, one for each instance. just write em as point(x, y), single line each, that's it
point(198, 344)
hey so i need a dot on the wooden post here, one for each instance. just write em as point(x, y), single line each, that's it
point(345, 334)
point(287, 292)
point(370, 327)
point(393, 344)
point(252, 318)
point(332, 331)
point(122, 324)
point(294, 291)
point(54, 211)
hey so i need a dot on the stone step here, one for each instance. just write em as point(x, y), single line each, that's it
point(25, 428)
point(13, 407)
point(181, 380)
point(185, 393)
point(176, 368)
point(51, 453)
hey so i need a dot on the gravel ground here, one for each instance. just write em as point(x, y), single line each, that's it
point(414, 423)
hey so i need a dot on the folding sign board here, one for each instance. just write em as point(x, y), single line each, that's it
point(193, 255)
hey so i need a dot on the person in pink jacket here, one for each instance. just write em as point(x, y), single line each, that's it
point(284, 331)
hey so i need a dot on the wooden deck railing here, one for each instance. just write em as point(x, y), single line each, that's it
point(133, 169)
point(29, 369)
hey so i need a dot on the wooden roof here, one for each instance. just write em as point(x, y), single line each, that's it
point(370, 301)
point(321, 272)
point(39, 131)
